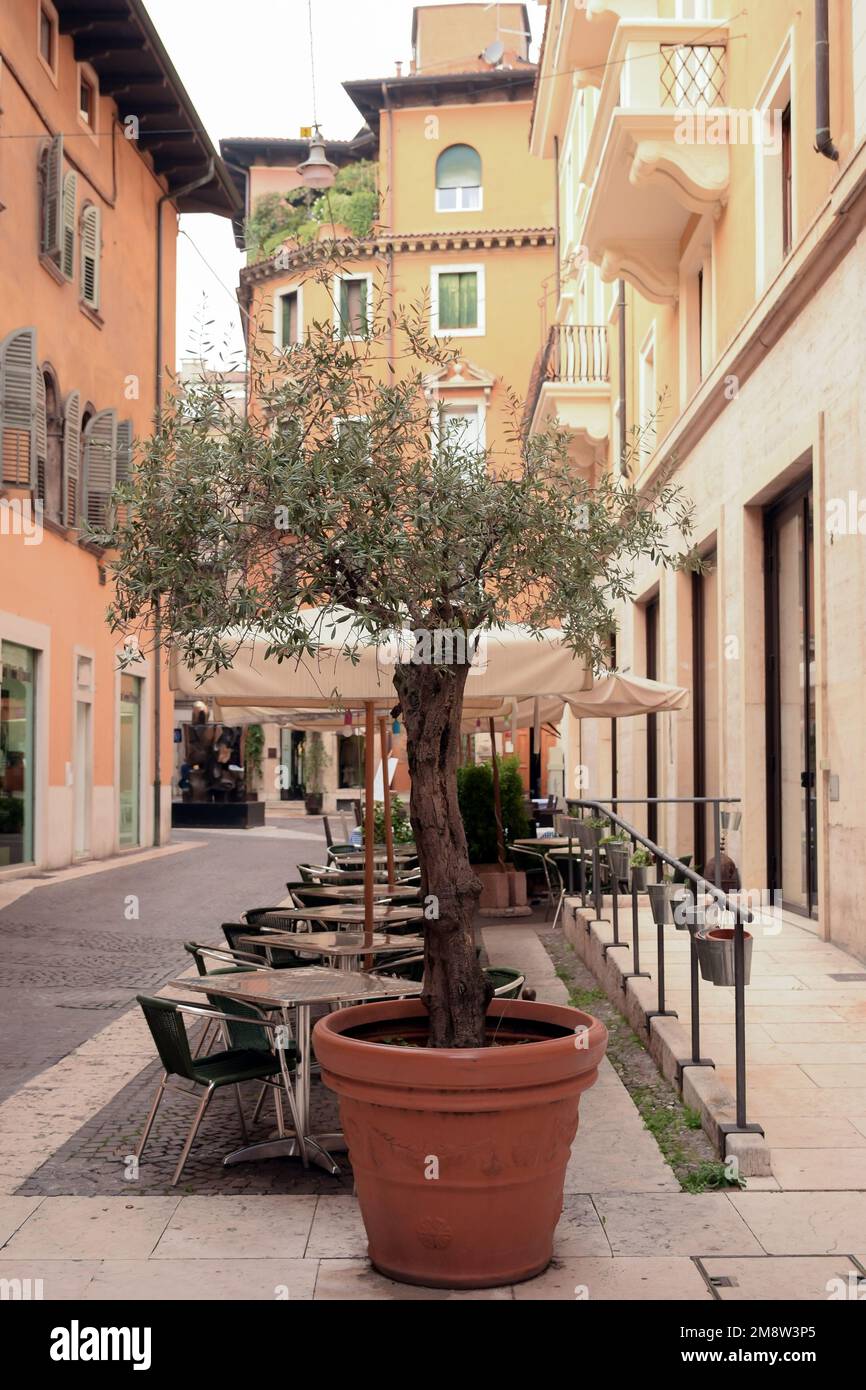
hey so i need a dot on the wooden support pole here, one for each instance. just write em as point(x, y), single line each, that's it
point(369, 821)
point(386, 798)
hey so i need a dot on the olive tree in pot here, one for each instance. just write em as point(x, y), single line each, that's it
point(293, 508)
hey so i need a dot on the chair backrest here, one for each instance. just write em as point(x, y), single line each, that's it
point(281, 957)
point(252, 1037)
point(328, 836)
point(168, 1030)
point(311, 873)
point(359, 815)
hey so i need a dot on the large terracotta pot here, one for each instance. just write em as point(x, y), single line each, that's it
point(459, 1155)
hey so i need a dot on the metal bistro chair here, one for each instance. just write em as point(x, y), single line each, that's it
point(227, 963)
point(507, 981)
point(248, 1057)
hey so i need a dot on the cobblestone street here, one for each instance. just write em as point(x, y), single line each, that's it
point(75, 956)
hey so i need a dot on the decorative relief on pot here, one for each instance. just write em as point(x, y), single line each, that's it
point(434, 1233)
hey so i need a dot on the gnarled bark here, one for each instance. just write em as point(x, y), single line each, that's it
point(455, 990)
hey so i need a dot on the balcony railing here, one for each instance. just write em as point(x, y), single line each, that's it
point(575, 354)
point(692, 75)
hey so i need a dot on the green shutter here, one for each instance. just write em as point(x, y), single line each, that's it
point(362, 327)
point(344, 308)
point(449, 301)
point(469, 300)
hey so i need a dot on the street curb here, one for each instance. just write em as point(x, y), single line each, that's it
point(665, 1038)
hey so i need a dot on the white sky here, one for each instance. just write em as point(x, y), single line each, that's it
point(246, 66)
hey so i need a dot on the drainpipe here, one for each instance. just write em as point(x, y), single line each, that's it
point(623, 386)
point(386, 99)
point(157, 633)
point(823, 139)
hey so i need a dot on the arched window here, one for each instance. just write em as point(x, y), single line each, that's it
point(458, 179)
point(50, 445)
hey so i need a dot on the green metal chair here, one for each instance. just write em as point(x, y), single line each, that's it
point(227, 963)
point(249, 1056)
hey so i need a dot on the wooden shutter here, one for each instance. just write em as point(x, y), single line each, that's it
point(91, 246)
point(449, 301)
point(51, 194)
point(41, 434)
point(71, 457)
point(70, 190)
point(100, 462)
point(344, 309)
point(18, 408)
point(123, 461)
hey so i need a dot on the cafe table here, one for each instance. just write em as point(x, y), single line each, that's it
point(354, 892)
point(340, 914)
point(345, 948)
point(279, 991)
point(358, 861)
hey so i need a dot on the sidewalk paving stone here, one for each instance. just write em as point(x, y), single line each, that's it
point(790, 1279)
point(230, 1279)
point(91, 1228)
point(675, 1224)
point(357, 1280)
point(786, 1223)
point(226, 1228)
point(588, 1279)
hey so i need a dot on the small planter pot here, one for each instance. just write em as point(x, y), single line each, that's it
point(637, 877)
point(662, 897)
point(500, 1121)
point(617, 858)
point(716, 955)
point(313, 802)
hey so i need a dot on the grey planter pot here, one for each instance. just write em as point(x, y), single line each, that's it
point(637, 878)
point(662, 898)
point(716, 955)
point(618, 860)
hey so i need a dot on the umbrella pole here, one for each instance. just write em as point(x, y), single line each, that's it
point(369, 822)
point(386, 800)
point(497, 799)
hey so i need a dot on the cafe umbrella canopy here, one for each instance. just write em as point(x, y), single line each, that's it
point(349, 671)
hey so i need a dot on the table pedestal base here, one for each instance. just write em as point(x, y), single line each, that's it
point(319, 1149)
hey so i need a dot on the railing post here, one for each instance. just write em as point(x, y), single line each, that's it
point(717, 842)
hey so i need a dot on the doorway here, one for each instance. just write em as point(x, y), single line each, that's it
point(83, 778)
point(792, 864)
point(129, 779)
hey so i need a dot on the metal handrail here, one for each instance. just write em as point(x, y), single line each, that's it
point(740, 913)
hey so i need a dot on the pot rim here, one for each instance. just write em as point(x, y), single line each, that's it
point(548, 1061)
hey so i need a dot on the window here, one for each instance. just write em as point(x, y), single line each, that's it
point(91, 253)
point(458, 180)
point(17, 751)
point(648, 399)
point(458, 307)
point(86, 99)
point(49, 445)
point(462, 426)
point(353, 305)
point(48, 37)
point(129, 770)
point(287, 319)
point(787, 183)
point(775, 195)
point(50, 198)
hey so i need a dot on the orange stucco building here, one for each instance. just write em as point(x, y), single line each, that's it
point(100, 150)
point(466, 220)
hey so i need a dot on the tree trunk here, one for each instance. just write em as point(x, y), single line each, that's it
point(455, 990)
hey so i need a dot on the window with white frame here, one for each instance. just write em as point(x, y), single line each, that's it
point(88, 96)
point(647, 394)
point(458, 180)
point(775, 199)
point(458, 300)
point(353, 305)
point(46, 19)
point(462, 426)
point(288, 318)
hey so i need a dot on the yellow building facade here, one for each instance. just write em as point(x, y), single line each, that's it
point(708, 321)
point(465, 224)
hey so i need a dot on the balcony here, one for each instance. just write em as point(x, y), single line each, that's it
point(571, 385)
point(659, 152)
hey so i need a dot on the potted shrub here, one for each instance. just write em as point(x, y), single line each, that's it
point(616, 848)
point(476, 801)
point(316, 761)
point(640, 863)
point(598, 825)
point(373, 521)
point(254, 744)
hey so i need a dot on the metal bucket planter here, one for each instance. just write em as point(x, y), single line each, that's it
point(663, 897)
point(716, 955)
point(637, 877)
point(617, 858)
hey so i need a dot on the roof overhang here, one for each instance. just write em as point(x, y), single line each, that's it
point(372, 95)
point(118, 40)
